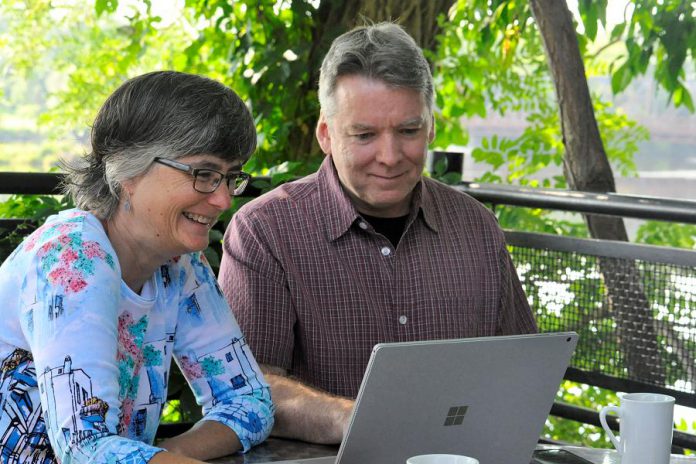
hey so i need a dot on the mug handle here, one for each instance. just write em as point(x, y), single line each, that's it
point(603, 419)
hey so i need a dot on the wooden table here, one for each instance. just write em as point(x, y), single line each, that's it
point(278, 449)
point(605, 456)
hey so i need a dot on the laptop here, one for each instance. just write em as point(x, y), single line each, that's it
point(487, 398)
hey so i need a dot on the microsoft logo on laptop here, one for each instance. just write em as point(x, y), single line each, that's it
point(456, 414)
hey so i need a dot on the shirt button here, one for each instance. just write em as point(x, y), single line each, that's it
point(386, 251)
point(362, 225)
point(403, 320)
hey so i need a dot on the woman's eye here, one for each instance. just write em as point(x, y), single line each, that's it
point(206, 176)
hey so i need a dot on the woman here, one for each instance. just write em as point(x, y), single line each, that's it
point(98, 299)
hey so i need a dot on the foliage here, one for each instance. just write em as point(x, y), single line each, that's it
point(662, 32)
point(503, 59)
point(264, 47)
point(80, 57)
point(24, 156)
point(569, 431)
point(506, 72)
point(35, 209)
point(660, 233)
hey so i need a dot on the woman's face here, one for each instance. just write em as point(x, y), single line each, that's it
point(167, 213)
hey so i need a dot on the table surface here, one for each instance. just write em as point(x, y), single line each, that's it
point(605, 456)
point(278, 449)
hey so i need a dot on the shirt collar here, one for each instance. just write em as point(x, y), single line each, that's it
point(341, 213)
point(423, 203)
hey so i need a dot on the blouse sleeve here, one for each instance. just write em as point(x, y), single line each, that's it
point(70, 297)
point(214, 357)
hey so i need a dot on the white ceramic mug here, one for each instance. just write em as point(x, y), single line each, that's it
point(441, 459)
point(645, 423)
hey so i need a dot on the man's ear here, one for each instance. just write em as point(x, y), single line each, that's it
point(323, 134)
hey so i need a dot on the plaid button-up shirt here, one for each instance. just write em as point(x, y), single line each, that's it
point(314, 287)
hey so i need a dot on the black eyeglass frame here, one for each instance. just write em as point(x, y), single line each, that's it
point(240, 180)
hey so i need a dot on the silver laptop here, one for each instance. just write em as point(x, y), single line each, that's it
point(482, 397)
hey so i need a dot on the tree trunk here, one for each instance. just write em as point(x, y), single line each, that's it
point(334, 17)
point(587, 168)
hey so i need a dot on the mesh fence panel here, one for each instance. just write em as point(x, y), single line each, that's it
point(636, 319)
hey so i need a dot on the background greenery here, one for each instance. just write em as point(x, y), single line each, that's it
point(59, 60)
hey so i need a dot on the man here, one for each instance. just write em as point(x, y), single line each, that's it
point(366, 250)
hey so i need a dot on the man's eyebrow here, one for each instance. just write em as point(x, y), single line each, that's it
point(417, 121)
point(360, 127)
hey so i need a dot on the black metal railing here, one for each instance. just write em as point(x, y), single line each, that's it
point(633, 306)
point(613, 204)
point(629, 206)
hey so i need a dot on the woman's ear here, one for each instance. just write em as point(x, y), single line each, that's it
point(127, 187)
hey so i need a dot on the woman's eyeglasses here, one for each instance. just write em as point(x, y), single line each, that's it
point(208, 180)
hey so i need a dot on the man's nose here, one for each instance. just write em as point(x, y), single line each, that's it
point(389, 151)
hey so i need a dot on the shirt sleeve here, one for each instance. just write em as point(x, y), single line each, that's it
point(70, 298)
point(255, 285)
point(515, 314)
point(213, 355)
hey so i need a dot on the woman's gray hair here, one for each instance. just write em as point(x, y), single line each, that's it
point(383, 51)
point(164, 114)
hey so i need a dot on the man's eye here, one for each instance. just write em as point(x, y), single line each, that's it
point(410, 130)
point(363, 136)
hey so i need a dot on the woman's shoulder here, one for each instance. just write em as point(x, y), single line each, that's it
point(70, 228)
point(72, 222)
point(72, 239)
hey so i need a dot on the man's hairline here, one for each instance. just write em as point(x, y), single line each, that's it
point(331, 93)
point(428, 118)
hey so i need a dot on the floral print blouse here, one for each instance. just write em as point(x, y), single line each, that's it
point(84, 360)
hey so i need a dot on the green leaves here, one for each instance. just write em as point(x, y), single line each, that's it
point(659, 35)
point(480, 65)
point(667, 234)
point(102, 6)
point(35, 208)
point(592, 12)
point(620, 78)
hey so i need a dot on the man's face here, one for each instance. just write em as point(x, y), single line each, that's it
point(378, 139)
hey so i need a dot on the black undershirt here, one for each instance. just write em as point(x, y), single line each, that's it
point(392, 228)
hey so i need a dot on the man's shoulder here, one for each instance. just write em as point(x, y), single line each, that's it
point(453, 200)
point(458, 211)
point(284, 198)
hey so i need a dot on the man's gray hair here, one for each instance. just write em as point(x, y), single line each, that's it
point(164, 114)
point(383, 51)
